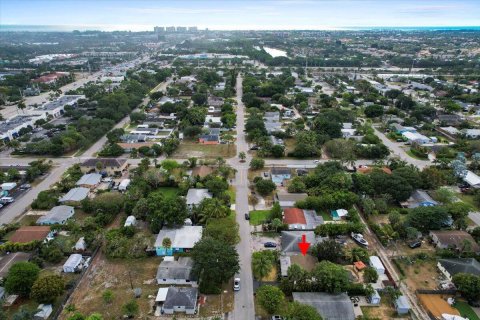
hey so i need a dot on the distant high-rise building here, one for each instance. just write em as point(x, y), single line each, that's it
point(170, 29)
point(193, 29)
point(181, 29)
point(159, 29)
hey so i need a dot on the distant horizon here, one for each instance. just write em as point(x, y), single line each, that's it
point(112, 28)
point(143, 15)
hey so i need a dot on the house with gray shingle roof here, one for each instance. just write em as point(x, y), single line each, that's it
point(329, 306)
point(180, 300)
point(451, 267)
point(176, 272)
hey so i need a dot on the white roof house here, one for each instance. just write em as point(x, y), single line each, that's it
point(377, 264)
point(75, 195)
point(43, 312)
point(182, 239)
point(57, 215)
point(90, 179)
point(416, 137)
point(72, 263)
point(472, 179)
point(195, 196)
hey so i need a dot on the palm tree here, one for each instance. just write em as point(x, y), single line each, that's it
point(21, 105)
point(166, 242)
point(261, 266)
point(242, 156)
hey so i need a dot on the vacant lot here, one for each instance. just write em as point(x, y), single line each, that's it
point(190, 149)
point(419, 274)
point(258, 216)
point(119, 276)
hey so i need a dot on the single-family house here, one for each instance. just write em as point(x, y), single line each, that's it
point(419, 198)
point(288, 200)
point(451, 267)
point(145, 131)
point(472, 179)
point(329, 306)
point(299, 219)
point(454, 239)
point(290, 240)
point(176, 272)
point(450, 130)
point(209, 139)
point(89, 180)
point(110, 166)
point(72, 263)
point(279, 174)
point(415, 137)
point(74, 196)
point(43, 312)
point(57, 215)
point(471, 133)
point(449, 119)
point(180, 299)
point(182, 239)
point(196, 196)
point(30, 233)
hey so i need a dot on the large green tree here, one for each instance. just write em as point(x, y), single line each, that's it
point(20, 278)
point(270, 298)
point(298, 311)
point(47, 288)
point(215, 262)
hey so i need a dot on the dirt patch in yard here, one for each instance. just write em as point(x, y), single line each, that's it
point(307, 262)
point(420, 274)
point(118, 276)
point(214, 302)
point(190, 149)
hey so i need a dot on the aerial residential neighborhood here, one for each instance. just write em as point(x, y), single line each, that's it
point(155, 169)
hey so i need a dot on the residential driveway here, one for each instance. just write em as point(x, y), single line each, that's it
point(258, 242)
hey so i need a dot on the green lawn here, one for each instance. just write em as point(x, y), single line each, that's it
point(468, 198)
point(168, 192)
point(326, 216)
point(465, 310)
point(231, 193)
point(258, 216)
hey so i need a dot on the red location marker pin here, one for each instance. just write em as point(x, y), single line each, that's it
point(304, 245)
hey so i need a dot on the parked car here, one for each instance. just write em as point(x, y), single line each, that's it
point(270, 245)
point(254, 148)
point(415, 244)
point(316, 161)
point(247, 216)
point(276, 318)
point(236, 284)
point(7, 200)
point(25, 186)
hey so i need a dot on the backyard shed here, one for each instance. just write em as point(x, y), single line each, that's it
point(131, 221)
point(401, 305)
point(72, 263)
point(377, 264)
point(124, 184)
point(81, 245)
point(374, 298)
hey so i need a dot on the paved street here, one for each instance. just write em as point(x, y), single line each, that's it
point(396, 150)
point(244, 307)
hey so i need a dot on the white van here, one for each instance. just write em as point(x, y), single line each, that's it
point(6, 200)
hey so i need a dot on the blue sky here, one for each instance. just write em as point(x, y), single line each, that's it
point(247, 14)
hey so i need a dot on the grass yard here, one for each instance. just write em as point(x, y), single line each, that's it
point(468, 198)
point(168, 192)
point(214, 302)
point(465, 310)
point(422, 274)
point(192, 149)
point(231, 193)
point(258, 216)
point(326, 216)
point(410, 153)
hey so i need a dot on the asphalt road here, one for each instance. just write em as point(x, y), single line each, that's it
point(244, 307)
point(396, 150)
